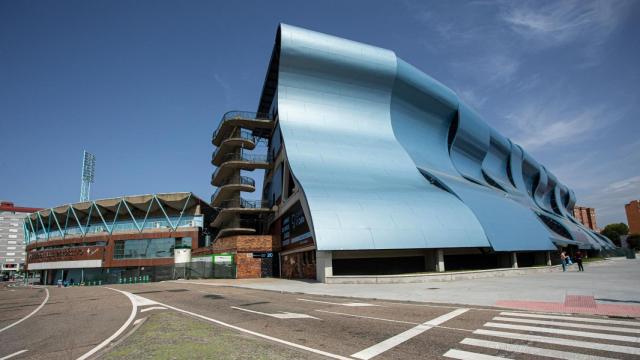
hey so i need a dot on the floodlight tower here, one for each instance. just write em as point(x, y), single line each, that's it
point(88, 174)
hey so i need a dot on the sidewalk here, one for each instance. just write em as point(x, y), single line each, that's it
point(610, 282)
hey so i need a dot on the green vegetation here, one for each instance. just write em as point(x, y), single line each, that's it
point(614, 231)
point(168, 335)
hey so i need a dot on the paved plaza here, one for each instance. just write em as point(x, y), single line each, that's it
point(222, 319)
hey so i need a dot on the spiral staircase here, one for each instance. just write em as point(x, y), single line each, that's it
point(235, 138)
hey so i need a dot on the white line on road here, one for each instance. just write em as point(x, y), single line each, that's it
point(134, 310)
point(197, 283)
point(298, 346)
point(368, 317)
point(524, 349)
point(561, 341)
point(467, 355)
point(153, 308)
point(571, 318)
point(568, 324)
point(394, 341)
point(14, 354)
point(46, 298)
point(283, 315)
point(565, 332)
point(352, 304)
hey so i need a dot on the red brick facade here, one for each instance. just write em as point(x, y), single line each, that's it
point(243, 247)
point(633, 216)
point(586, 216)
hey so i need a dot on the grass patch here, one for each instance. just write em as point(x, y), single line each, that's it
point(167, 335)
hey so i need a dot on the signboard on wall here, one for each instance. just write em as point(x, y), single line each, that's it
point(66, 254)
point(222, 259)
point(294, 226)
point(262, 255)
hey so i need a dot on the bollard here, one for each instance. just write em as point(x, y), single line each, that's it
point(99, 282)
point(120, 281)
point(140, 279)
point(130, 281)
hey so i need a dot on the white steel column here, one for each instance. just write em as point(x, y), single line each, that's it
point(440, 260)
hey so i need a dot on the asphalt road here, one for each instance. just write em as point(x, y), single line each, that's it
point(71, 322)
point(76, 320)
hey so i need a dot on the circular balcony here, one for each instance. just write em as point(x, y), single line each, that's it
point(231, 209)
point(238, 161)
point(240, 139)
point(260, 124)
point(230, 187)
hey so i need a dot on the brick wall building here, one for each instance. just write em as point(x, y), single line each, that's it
point(633, 216)
point(587, 216)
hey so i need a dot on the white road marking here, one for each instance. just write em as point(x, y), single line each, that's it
point(524, 349)
point(467, 355)
point(138, 321)
point(153, 308)
point(568, 324)
point(353, 304)
point(298, 346)
point(571, 318)
point(14, 354)
point(283, 315)
point(560, 341)
point(46, 298)
point(134, 310)
point(565, 332)
point(368, 317)
point(394, 341)
point(197, 283)
point(140, 301)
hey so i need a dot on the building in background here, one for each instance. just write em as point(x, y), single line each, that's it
point(112, 240)
point(587, 216)
point(12, 245)
point(373, 167)
point(633, 216)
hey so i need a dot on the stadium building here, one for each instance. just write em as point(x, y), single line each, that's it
point(110, 240)
point(373, 167)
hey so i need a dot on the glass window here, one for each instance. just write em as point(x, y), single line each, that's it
point(144, 248)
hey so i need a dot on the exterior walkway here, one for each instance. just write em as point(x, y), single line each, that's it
point(610, 287)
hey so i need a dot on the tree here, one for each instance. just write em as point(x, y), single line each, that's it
point(614, 231)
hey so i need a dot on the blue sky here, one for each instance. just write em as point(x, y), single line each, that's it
point(142, 84)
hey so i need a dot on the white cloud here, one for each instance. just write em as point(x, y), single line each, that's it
point(632, 183)
point(538, 125)
point(587, 22)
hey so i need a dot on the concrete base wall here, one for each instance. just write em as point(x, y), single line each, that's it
point(434, 277)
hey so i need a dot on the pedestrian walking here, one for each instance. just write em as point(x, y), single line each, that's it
point(578, 258)
point(563, 261)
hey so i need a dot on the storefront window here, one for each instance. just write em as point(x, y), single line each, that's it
point(145, 248)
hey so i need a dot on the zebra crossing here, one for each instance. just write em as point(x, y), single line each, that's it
point(550, 336)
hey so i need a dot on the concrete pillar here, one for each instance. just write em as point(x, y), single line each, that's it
point(440, 260)
point(514, 260)
point(324, 265)
point(548, 258)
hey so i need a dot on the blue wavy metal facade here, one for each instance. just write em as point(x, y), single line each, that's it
point(389, 158)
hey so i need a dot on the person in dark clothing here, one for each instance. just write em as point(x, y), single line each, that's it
point(578, 259)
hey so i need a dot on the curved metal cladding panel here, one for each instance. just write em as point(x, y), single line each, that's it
point(389, 158)
point(422, 111)
point(363, 190)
